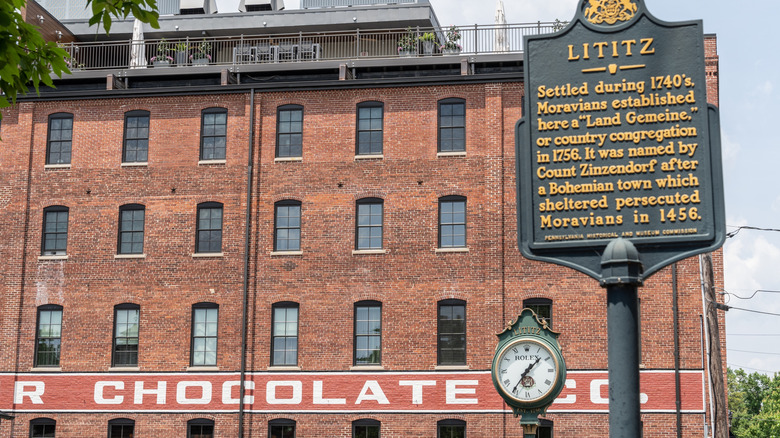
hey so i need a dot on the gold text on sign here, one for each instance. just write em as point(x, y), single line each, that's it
point(614, 49)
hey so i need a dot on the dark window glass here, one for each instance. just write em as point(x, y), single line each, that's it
point(200, 428)
point(205, 318)
point(42, 428)
point(452, 125)
point(542, 307)
point(287, 229)
point(545, 429)
point(365, 429)
point(48, 336)
point(452, 222)
point(121, 428)
point(452, 332)
point(55, 230)
point(289, 131)
point(451, 429)
point(126, 321)
point(369, 128)
point(285, 334)
point(131, 229)
point(281, 428)
point(369, 224)
point(58, 146)
point(209, 235)
point(368, 333)
point(213, 134)
point(136, 146)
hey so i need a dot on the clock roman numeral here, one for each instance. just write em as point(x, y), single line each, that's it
point(507, 382)
point(547, 382)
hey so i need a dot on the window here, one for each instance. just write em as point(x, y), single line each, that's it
point(42, 428)
point(452, 222)
point(213, 134)
point(285, 334)
point(369, 224)
point(205, 317)
point(542, 307)
point(200, 428)
point(131, 229)
point(287, 226)
point(281, 428)
point(369, 128)
point(58, 145)
point(289, 131)
point(48, 336)
point(368, 333)
point(452, 125)
point(121, 428)
point(451, 429)
point(126, 318)
point(452, 332)
point(55, 230)
point(208, 238)
point(136, 145)
point(365, 429)
point(545, 429)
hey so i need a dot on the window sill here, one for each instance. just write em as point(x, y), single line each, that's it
point(211, 162)
point(124, 369)
point(204, 255)
point(56, 166)
point(370, 157)
point(446, 250)
point(451, 154)
point(452, 368)
point(366, 368)
point(286, 159)
point(368, 251)
point(136, 164)
point(202, 368)
point(283, 368)
point(52, 257)
point(285, 253)
point(129, 256)
point(46, 370)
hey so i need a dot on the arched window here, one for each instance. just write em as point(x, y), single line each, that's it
point(451, 429)
point(366, 428)
point(200, 428)
point(42, 428)
point(542, 307)
point(281, 428)
point(121, 428)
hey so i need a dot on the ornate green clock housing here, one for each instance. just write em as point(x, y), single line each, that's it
point(528, 368)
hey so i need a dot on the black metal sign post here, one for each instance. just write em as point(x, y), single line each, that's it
point(619, 169)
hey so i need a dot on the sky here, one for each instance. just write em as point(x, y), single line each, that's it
point(749, 88)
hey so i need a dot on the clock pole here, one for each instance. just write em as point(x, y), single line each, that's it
point(621, 275)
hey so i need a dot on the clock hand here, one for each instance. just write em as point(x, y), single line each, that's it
point(522, 376)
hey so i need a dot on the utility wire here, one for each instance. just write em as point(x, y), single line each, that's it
point(754, 352)
point(752, 334)
point(754, 293)
point(733, 365)
point(746, 227)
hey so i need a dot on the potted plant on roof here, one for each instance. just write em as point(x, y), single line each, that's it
point(202, 54)
point(407, 44)
point(451, 45)
point(181, 49)
point(161, 57)
point(428, 40)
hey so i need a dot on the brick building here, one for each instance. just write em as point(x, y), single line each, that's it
point(340, 233)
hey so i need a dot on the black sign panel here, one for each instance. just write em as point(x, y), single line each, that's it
point(618, 140)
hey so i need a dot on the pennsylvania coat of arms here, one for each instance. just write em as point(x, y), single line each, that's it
point(610, 11)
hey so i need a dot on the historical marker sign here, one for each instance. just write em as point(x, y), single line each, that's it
point(618, 140)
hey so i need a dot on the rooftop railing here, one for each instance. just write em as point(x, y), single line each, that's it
point(302, 47)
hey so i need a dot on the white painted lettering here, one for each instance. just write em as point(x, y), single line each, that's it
point(595, 391)
point(138, 396)
point(571, 398)
point(297, 393)
point(100, 398)
point(205, 393)
point(453, 391)
point(227, 392)
point(35, 395)
point(417, 388)
point(376, 395)
point(318, 400)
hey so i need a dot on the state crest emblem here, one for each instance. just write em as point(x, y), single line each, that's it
point(610, 11)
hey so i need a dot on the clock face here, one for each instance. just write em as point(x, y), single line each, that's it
point(526, 370)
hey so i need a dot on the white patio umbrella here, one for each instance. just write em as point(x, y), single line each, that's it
point(501, 43)
point(138, 50)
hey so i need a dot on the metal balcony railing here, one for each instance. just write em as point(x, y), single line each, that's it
point(302, 47)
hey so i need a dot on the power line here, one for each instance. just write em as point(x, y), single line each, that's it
point(746, 227)
point(754, 352)
point(754, 293)
point(733, 365)
point(752, 311)
point(752, 334)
